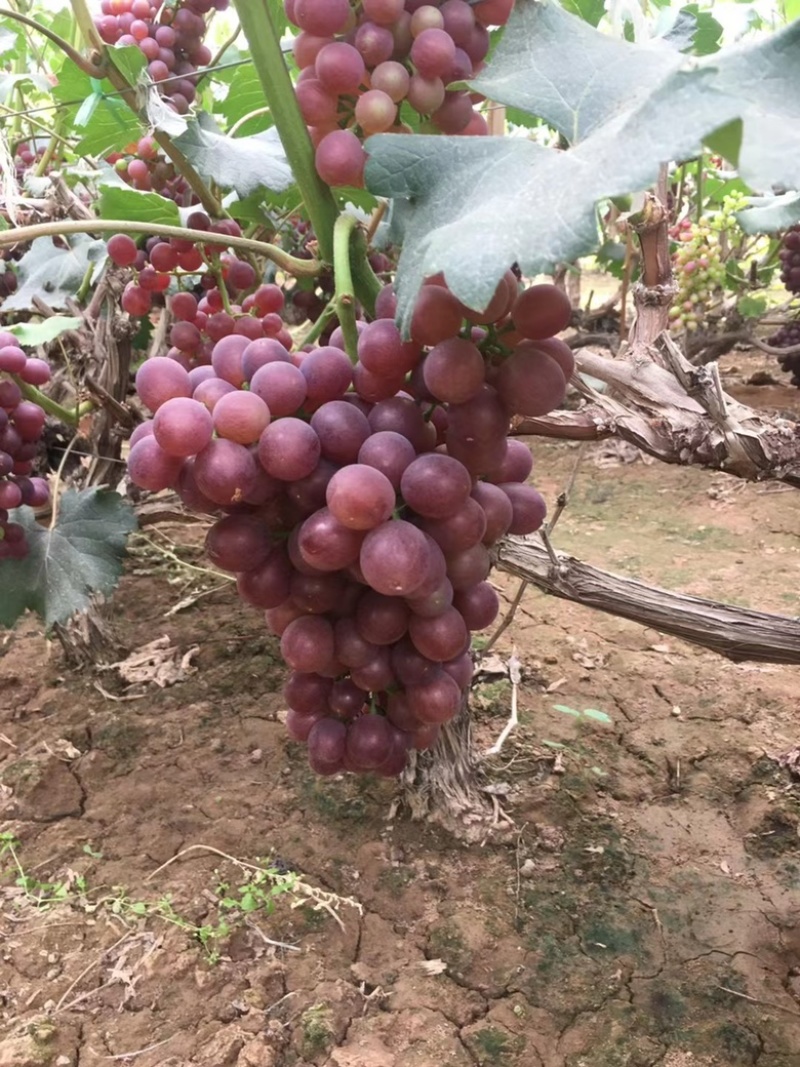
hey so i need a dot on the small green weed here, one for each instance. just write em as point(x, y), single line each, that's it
point(35, 892)
point(492, 1045)
point(255, 892)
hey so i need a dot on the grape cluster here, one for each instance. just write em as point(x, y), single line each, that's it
point(698, 262)
point(790, 259)
point(787, 337)
point(789, 334)
point(144, 167)
point(25, 157)
point(361, 500)
point(200, 321)
point(169, 35)
point(700, 273)
point(359, 64)
point(21, 426)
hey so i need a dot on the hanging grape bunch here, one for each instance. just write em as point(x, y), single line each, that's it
point(146, 168)
point(789, 334)
point(223, 279)
point(361, 499)
point(170, 36)
point(358, 66)
point(21, 427)
point(698, 263)
point(790, 259)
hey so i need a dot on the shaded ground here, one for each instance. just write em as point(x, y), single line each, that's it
point(644, 910)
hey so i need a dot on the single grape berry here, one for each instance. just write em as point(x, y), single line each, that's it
point(122, 250)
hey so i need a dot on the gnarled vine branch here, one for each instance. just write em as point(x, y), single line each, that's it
point(736, 633)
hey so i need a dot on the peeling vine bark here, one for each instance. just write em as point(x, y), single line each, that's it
point(443, 782)
point(678, 414)
point(737, 633)
point(661, 403)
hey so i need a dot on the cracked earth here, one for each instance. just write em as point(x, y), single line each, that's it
point(645, 909)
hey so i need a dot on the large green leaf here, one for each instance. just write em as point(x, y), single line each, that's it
point(104, 123)
point(80, 556)
point(54, 273)
point(129, 61)
point(476, 205)
point(770, 214)
point(707, 32)
point(556, 66)
point(133, 205)
point(240, 163)
point(246, 95)
point(39, 333)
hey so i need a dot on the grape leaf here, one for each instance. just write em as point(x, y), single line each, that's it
point(129, 61)
point(246, 94)
point(80, 556)
point(590, 11)
point(556, 66)
point(769, 214)
point(54, 274)
point(122, 202)
point(690, 29)
point(707, 33)
point(752, 307)
point(241, 163)
point(39, 333)
point(277, 11)
point(625, 107)
point(104, 123)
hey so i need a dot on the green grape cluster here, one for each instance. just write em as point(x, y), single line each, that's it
point(699, 262)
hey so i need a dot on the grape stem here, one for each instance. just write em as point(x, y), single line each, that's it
point(215, 267)
point(298, 267)
point(246, 118)
point(265, 48)
point(328, 312)
point(344, 295)
point(70, 416)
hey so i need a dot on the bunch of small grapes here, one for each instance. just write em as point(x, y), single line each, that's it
point(25, 157)
point(360, 63)
point(787, 337)
point(170, 35)
point(698, 263)
point(790, 259)
point(145, 167)
point(200, 321)
point(21, 427)
point(361, 500)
